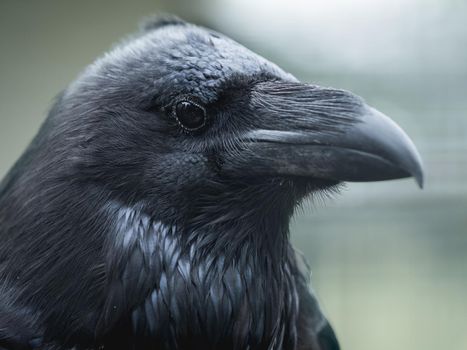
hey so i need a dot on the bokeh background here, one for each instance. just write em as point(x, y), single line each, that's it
point(389, 260)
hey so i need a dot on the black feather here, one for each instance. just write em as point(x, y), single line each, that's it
point(120, 229)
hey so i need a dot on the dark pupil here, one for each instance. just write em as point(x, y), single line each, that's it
point(190, 115)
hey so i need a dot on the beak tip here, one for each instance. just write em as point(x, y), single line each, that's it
point(414, 168)
point(420, 180)
point(417, 169)
point(398, 146)
point(420, 177)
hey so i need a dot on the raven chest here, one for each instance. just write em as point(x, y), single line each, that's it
point(175, 292)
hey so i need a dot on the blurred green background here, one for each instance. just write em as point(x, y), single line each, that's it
point(389, 260)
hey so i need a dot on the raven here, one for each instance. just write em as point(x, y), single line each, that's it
point(152, 209)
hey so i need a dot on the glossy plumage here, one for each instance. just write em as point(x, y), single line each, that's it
point(123, 229)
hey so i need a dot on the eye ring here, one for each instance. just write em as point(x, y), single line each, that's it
point(190, 115)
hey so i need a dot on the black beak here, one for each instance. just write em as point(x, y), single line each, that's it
point(329, 134)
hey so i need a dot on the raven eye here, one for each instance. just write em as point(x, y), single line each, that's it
point(190, 115)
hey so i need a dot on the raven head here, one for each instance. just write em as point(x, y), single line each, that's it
point(133, 200)
point(184, 118)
